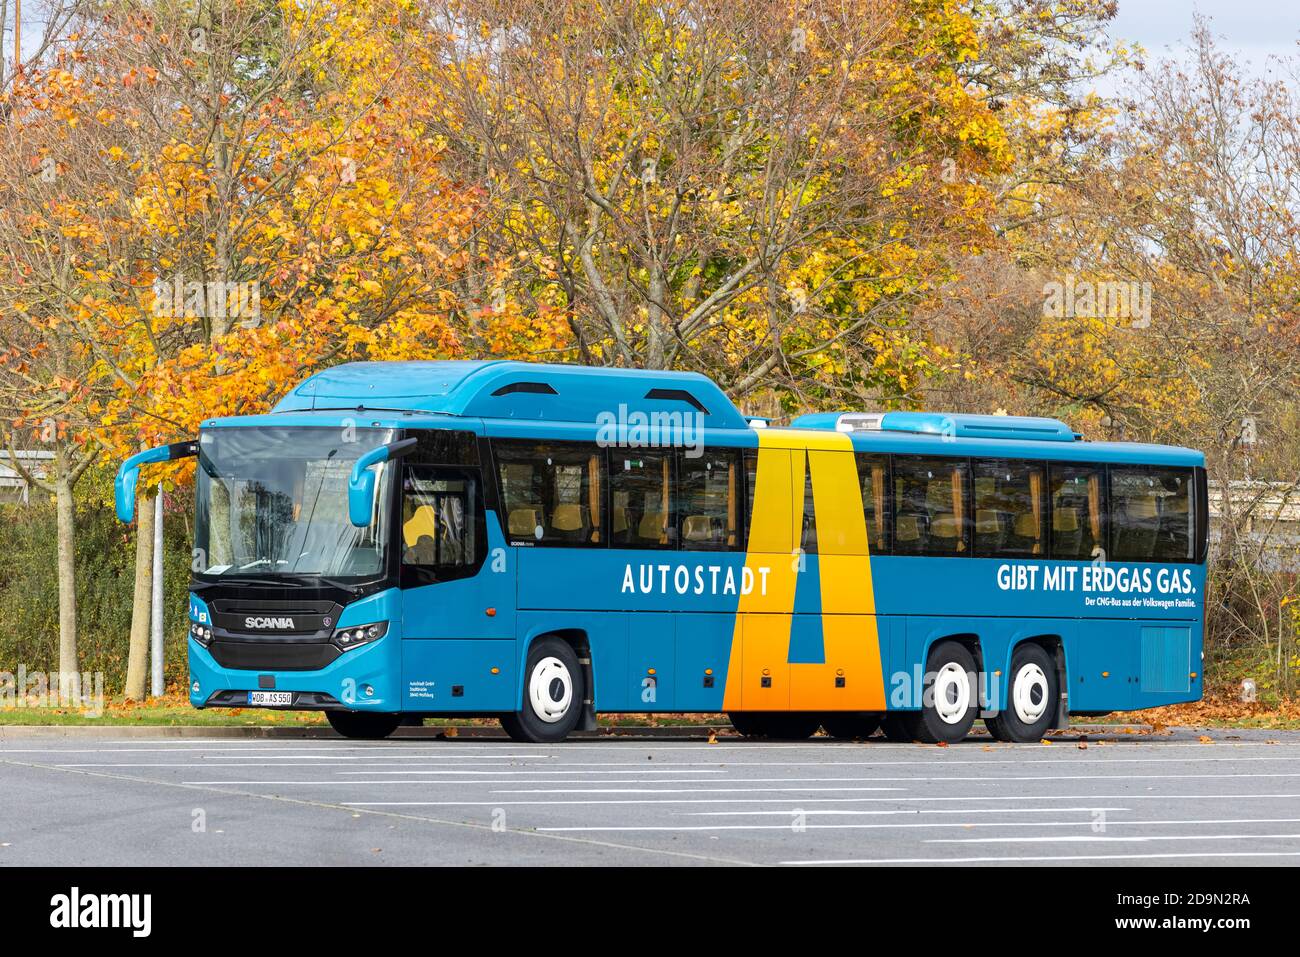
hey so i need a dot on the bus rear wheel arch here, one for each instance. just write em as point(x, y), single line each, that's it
point(554, 693)
point(1033, 695)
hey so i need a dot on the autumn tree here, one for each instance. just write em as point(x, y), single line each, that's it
point(756, 191)
point(51, 178)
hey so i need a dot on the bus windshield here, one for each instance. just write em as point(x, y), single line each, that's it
point(273, 502)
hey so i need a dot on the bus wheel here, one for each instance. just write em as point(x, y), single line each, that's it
point(1030, 699)
point(553, 695)
point(897, 727)
point(953, 699)
point(994, 728)
point(851, 724)
point(369, 725)
point(790, 725)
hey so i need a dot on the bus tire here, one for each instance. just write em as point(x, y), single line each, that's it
point(788, 725)
point(553, 695)
point(365, 725)
point(850, 725)
point(897, 727)
point(953, 696)
point(994, 729)
point(1031, 697)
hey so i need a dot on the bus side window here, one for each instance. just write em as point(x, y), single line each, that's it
point(1009, 513)
point(1152, 512)
point(873, 476)
point(1078, 511)
point(709, 501)
point(442, 521)
point(551, 492)
point(750, 459)
point(931, 513)
point(641, 489)
point(808, 534)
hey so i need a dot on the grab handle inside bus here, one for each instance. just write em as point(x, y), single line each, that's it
point(361, 483)
point(129, 474)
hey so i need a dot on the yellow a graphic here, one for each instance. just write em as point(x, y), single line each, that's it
point(761, 676)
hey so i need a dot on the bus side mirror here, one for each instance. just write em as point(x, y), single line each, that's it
point(128, 475)
point(361, 483)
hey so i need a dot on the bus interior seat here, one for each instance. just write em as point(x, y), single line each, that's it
point(907, 532)
point(1026, 533)
point(569, 522)
point(1141, 528)
point(944, 526)
point(523, 521)
point(620, 520)
point(697, 528)
point(1067, 535)
point(423, 552)
point(651, 527)
point(989, 528)
point(1065, 520)
point(422, 523)
point(1027, 526)
point(1174, 523)
point(568, 517)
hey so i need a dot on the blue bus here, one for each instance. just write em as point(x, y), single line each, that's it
point(541, 543)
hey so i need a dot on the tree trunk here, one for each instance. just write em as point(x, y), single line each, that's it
point(141, 599)
point(69, 676)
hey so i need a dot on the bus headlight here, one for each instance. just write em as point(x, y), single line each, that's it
point(201, 634)
point(354, 636)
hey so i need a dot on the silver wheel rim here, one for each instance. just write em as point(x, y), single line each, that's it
point(1029, 693)
point(952, 693)
point(550, 689)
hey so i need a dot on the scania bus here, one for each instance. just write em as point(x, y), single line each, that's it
point(542, 543)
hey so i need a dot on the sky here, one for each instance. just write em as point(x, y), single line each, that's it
point(1251, 30)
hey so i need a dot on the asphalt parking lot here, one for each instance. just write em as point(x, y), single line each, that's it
point(72, 799)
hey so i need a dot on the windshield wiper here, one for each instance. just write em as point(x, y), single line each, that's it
point(321, 579)
point(279, 579)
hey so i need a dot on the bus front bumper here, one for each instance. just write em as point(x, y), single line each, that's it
point(364, 679)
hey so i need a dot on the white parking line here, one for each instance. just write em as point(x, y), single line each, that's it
point(306, 753)
point(221, 763)
point(1045, 859)
point(963, 797)
point(556, 790)
point(670, 790)
point(1108, 838)
point(911, 812)
point(588, 803)
point(949, 824)
point(925, 778)
point(862, 800)
point(557, 772)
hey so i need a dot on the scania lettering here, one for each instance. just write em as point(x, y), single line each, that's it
point(285, 623)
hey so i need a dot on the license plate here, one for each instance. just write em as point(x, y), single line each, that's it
point(270, 698)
